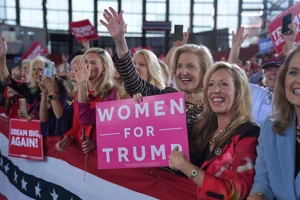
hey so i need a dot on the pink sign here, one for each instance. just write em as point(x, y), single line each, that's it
point(274, 27)
point(131, 135)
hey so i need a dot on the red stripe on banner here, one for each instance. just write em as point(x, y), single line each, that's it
point(150, 181)
point(2, 197)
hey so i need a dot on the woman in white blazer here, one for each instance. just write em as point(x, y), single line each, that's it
point(278, 162)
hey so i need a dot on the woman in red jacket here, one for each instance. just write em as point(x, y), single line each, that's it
point(226, 137)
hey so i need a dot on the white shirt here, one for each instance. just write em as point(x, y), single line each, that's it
point(260, 108)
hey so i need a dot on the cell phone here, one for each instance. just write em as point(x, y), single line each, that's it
point(178, 33)
point(23, 106)
point(286, 20)
point(48, 69)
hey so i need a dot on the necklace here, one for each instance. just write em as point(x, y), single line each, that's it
point(212, 140)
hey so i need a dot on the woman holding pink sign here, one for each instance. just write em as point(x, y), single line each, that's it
point(226, 136)
point(190, 63)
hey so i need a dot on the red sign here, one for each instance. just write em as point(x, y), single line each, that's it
point(34, 50)
point(274, 27)
point(25, 140)
point(83, 30)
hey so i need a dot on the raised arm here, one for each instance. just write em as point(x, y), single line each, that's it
point(290, 38)
point(133, 84)
point(4, 74)
point(237, 41)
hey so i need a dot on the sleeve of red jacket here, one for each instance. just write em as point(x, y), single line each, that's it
point(235, 182)
point(75, 124)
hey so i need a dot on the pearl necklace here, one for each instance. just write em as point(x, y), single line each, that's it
point(212, 140)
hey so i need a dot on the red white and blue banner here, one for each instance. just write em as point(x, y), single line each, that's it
point(61, 176)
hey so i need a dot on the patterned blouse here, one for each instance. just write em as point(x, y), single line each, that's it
point(134, 84)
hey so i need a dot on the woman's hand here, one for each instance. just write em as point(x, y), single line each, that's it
point(16, 73)
point(115, 23)
point(291, 35)
point(49, 84)
point(88, 145)
point(184, 40)
point(238, 38)
point(62, 145)
point(3, 47)
point(82, 72)
point(256, 196)
point(86, 44)
point(177, 159)
point(138, 98)
point(21, 114)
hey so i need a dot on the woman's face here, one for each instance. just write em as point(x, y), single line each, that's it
point(141, 66)
point(25, 68)
point(37, 68)
point(271, 74)
point(292, 81)
point(188, 75)
point(94, 61)
point(221, 92)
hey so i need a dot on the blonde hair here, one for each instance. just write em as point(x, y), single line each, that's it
point(165, 72)
point(33, 84)
point(26, 61)
point(202, 52)
point(104, 82)
point(283, 110)
point(154, 70)
point(208, 121)
point(75, 59)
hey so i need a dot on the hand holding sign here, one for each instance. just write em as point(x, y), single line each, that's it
point(290, 37)
point(177, 159)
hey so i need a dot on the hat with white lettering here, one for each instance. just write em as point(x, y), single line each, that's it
point(273, 62)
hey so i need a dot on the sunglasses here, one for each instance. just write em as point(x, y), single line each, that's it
point(269, 99)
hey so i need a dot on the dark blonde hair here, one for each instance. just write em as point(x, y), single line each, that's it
point(208, 122)
point(202, 52)
point(105, 82)
point(283, 110)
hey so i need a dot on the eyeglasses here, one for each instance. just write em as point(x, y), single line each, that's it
point(269, 99)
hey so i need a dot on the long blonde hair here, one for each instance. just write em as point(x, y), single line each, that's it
point(202, 52)
point(104, 82)
point(283, 110)
point(208, 121)
point(165, 72)
point(154, 69)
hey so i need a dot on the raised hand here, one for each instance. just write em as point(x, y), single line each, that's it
point(82, 72)
point(86, 44)
point(16, 73)
point(88, 145)
point(115, 23)
point(3, 47)
point(239, 37)
point(291, 35)
point(184, 40)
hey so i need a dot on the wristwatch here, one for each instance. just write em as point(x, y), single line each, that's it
point(194, 173)
point(51, 97)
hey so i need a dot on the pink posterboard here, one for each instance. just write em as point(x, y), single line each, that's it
point(131, 135)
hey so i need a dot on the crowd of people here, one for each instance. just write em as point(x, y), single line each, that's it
point(244, 138)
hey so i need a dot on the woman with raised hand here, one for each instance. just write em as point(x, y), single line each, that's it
point(30, 90)
point(262, 98)
point(189, 65)
point(95, 83)
point(277, 168)
point(226, 137)
point(56, 110)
